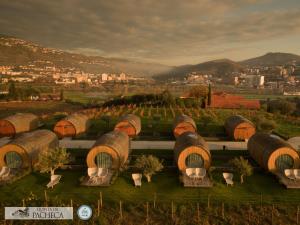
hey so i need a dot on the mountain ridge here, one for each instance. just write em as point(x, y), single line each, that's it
point(216, 67)
point(272, 59)
point(16, 51)
point(223, 67)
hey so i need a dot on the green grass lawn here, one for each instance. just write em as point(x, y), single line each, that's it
point(288, 129)
point(85, 97)
point(242, 203)
point(166, 185)
point(264, 96)
point(76, 96)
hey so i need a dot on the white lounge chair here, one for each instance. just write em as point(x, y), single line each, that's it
point(102, 173)
point(228, 178)
point(137, 178)
point(289, 173)
point(190, 172)
point(92, 172)
point(200, 173)
point(197, 172)
point(4, 172)
point(54, 180)
point(297, 174)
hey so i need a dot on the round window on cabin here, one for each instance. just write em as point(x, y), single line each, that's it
point(284, 162)
point(194, 160)
point(13, 160)
point(103, 160)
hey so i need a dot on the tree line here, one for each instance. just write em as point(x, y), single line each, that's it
point(197, 96)
point(285, 106)
point(23, 93)
point(17, 93)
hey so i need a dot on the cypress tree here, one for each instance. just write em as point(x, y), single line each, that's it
point(12, 92)
point(209, 95)
point(61, 94)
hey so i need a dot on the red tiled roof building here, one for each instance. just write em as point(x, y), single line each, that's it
point(228, 101)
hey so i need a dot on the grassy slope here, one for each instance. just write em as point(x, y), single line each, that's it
point(82, 97)
point(166, 185)
point(265, 96)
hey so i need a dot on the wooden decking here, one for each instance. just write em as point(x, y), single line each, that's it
point(288, 183)
point(97, 181)
point(12, 174)
point(192, 182)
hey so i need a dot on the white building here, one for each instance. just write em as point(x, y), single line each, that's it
point(104, 76)
point(4, 80)
point(253, 80)
point(56, 76)
point(261, 81)
point(66, 81)
point(81, 78)
point(22, 79)
point(236, 80)
point(122, 76)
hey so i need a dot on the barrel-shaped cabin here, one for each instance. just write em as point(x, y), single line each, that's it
point(191, 151)
point(239, 128)
point(273, 153)
point(183, 123)
point(23, 151)
point(72, 125)
point(18, 123)
point(130, 124)
point(110, 151)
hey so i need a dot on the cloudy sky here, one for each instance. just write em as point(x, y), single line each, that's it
point(172, 32)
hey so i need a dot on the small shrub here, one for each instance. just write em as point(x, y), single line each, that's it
point(242, 167)
point(149, 165)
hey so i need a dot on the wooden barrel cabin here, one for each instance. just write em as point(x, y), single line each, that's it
point(18, 123)
point(183, 123)
point(273, 153)
point(129, 123)
point(239, 128)
point(191, 151)
point(23, 151)
point(110, 151)
point(72, 125)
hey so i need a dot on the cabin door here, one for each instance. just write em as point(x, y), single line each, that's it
point(194, 161)
point(13, 160)
point(68, 130)
point(65, 129)
point(284, 162)
point(103, 160)
point(241, 133)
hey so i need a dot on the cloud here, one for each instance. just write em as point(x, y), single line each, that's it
point(152, 30)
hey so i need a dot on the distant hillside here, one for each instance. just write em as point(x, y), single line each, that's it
point(272, 59)
point(14, 51)
point(219, 68)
